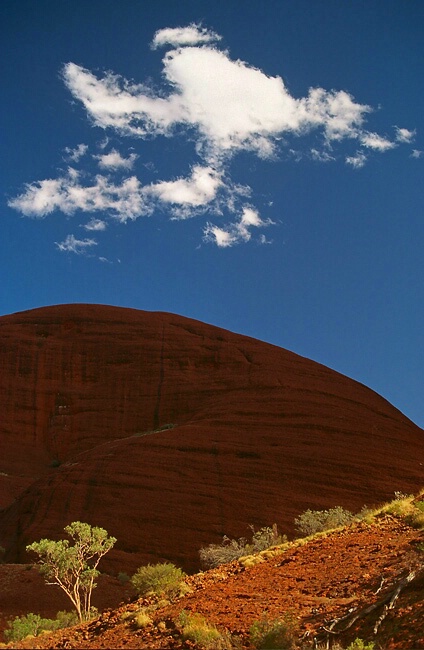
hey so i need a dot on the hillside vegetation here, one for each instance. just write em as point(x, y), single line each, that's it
point(358, 586)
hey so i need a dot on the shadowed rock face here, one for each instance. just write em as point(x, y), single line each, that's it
point(170, 433)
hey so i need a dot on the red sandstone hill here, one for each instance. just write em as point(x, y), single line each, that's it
point(170, 433)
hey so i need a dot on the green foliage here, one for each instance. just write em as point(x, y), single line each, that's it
point(74, 566)
point(265, 538)
point(275, 634)
point(358, 644)
point(231, 549)
point(159, 579)
point(123, 577)
point(65, 619)
point(410, 508)
point(142, 620)
point(366, 514)
point(195, 628)
point(317, 521)
point(22, 626)
point(407, 508)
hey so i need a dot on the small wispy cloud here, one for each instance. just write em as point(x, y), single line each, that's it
point(74, 155)
point(224, 107)
point(416, 153)
point(357, 161)
point(376, 142)
point(113, 160)
point(198, 190)
point(72, 245)
point(177, 36)
point(405, 135)
point(235, 233)
point(321, 156)
point(97, 225)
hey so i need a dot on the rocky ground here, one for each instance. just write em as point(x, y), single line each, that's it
point(344, 582)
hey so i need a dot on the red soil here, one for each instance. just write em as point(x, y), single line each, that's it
point(170, 433)
point(348, 570)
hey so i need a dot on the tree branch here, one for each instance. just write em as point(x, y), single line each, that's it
point(388, 602)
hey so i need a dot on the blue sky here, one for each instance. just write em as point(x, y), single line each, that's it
point(254, 165)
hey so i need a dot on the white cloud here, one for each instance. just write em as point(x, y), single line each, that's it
point(337, 112)
point(123, 106)
point(97, 225)
point(416, 153)
point(357, 161)
point(321, 156)
point(376, 142)
point(39, 199)
point(68, 194)
point(232, 105)
point(72, 245)
point(198, 190)
point(235, 233)
point(114, 160)
point(263, 240)
point(404, 135)
point(192, 35)
point(78, 152)
point(220, 105)
point(219, 236)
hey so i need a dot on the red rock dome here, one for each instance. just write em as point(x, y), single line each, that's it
point(170, 433)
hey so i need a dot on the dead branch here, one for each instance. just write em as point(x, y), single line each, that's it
point(381, 585)
point(402, 584)
point(387, 602)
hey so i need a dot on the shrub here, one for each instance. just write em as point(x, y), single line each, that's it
point(281, 633)
point(232, 549)
point(33, 624)
point(65, 619)
point(164, 578)
point(248, 561)
point(358, 644)
point(22, 626)
point(123, 577)
point(317, 521)
point(195, 628)
point(142, 619)
point(367, 514)
point(228, 550)
point(406, 509)
point(265, 538)
point(404, 506)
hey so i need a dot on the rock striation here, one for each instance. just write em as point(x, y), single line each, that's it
point(170, 433)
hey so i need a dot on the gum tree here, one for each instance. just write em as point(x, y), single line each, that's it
point(73, 567)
